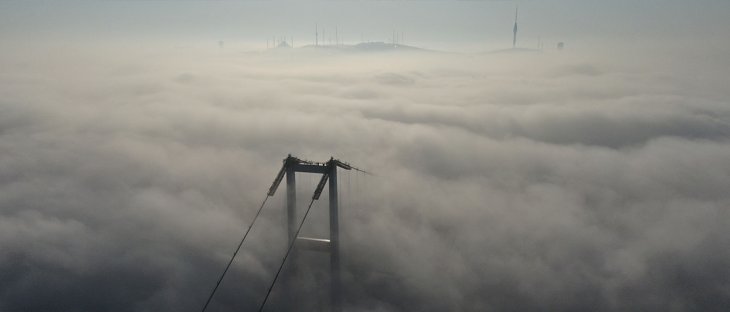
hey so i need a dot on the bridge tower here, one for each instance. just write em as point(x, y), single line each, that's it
point(328, 170)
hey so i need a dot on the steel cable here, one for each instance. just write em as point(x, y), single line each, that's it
point(288, 251)
point(234, 254)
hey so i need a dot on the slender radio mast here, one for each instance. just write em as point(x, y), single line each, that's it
point(316, 35)
point(514, 30)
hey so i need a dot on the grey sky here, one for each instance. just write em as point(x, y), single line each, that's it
point(430, 23)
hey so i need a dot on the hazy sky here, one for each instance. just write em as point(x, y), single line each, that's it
point(438, 24)
point(135, 151)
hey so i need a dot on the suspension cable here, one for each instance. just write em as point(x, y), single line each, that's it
point(288, 251)
point(235, 253)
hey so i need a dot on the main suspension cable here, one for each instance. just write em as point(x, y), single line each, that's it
point(235, 253)
point(288, 251)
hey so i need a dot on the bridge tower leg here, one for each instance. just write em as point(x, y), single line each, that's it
point(291, 221)
point(291, 203)
point(335, 287)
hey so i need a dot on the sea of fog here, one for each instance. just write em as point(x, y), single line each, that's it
point(582, 180)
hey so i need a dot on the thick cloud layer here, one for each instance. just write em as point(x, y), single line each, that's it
point(553, 181)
